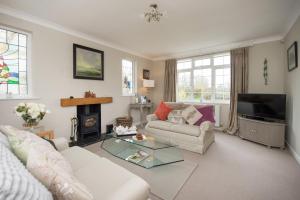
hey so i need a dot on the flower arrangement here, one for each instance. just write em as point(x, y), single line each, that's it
point(31, 113)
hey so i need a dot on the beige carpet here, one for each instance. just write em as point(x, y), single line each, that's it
point(236, 169)
point(158, 177)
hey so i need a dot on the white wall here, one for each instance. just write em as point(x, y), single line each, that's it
point(293, 94)
point(275, 54)
point(52, 77)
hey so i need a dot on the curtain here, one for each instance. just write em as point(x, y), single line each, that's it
point(170, 80)
point(239, 84)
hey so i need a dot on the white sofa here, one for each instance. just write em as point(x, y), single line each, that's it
point(189, 137)
point(104, 179)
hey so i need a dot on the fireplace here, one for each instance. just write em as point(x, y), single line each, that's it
point(89, 124)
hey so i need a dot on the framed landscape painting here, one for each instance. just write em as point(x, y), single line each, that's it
point(88, 63)
point(292, 57)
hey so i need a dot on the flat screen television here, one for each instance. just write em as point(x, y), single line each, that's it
point(268, 107)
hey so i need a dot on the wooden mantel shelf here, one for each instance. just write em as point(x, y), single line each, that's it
point(84, 101)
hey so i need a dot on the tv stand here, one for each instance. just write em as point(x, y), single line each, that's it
point(268, 133)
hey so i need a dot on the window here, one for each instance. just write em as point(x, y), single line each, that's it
point(13, 63)
point(128, 78)
point(204, 79)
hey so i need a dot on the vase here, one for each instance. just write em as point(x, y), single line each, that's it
point(30, 125)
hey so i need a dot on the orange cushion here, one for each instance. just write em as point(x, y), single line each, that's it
point(162, 111)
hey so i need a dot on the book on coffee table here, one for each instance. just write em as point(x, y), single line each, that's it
point(138, 157)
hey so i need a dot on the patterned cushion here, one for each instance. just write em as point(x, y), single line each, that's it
point(46, 165)
point(191, 115)
point(16, 182)
point(175, 116)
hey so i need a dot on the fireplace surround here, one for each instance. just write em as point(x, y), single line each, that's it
point(88, 120)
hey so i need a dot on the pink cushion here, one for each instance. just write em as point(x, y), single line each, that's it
point(207, 112)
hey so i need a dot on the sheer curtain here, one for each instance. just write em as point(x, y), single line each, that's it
point(239, 84)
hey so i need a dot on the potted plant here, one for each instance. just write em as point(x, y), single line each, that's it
point(31, 113)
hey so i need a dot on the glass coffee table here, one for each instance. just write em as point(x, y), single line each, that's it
point(147, 153)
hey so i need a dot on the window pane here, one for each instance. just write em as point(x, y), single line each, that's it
point(227, 60)
point(13, 63)
point(22, 53)
point(13, 88)
point(12, 38)
point(23, 89)
point(22, 78)
point(202, 62)
point(219, 60)
point(185, 64)
point(22, 40)
point(184, 86)
point(22, 65)
point(2, 35)
point(3, 88)
point(127, 77)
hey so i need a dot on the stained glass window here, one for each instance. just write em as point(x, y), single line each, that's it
point(128, 78)
point(13, 62)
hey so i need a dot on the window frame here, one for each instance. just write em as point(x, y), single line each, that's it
point(213, 76)
point(29, 94)
point(134, 77)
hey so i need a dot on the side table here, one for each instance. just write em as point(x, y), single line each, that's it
point(41, 132)
point(141, 107)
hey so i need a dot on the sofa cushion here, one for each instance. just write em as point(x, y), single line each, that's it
point(4, 140)
point(50, 168)
point(177, 128)
point(207, 114)
point(16, 182)
point(162, 111)
point(175, 116)
point(103, 178)
point(191, 115)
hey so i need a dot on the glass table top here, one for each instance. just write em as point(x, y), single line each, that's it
point(147, 153)
point(148, 142)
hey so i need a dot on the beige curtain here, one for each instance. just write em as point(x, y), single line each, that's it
point(170, 80)
point(239, 84)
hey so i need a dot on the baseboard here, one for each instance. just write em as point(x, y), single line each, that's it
point(294, 153)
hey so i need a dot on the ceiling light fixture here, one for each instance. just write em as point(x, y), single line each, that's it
point(153, 15)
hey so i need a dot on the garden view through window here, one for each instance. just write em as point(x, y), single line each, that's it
point(13, 63)
point(204, 79)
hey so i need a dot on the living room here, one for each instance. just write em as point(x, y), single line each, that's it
point(152, 57)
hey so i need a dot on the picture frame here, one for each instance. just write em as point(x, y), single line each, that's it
point(146, 74)
point(88, 63)
point(292, 56)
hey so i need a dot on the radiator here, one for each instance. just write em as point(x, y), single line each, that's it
point(217, 115)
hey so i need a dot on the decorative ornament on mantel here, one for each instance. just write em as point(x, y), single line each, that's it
point(153, 15)
point(266, 71)
point(31, 113)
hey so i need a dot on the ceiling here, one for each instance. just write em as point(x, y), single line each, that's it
point(188, 25)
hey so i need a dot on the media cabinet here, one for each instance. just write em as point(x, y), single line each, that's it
point(271, 134)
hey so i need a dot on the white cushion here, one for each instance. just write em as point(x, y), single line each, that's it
point(191, 115)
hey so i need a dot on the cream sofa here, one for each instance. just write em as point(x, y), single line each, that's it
point(189, 137)
point(104, 179)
